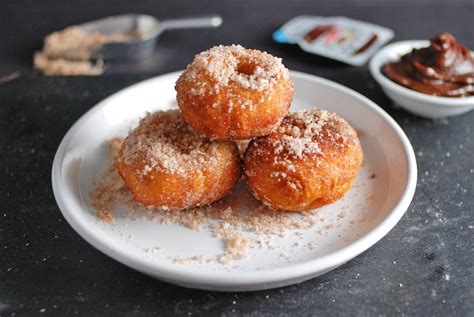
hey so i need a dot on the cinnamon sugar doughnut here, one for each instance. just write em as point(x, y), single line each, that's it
point(166, 163)
point(310, 161)
point(230, 92)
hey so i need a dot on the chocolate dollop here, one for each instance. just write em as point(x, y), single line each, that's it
point(445, 68)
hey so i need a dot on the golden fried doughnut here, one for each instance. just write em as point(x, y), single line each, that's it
point(166, 163)
point(311, 160)
point(233, 93)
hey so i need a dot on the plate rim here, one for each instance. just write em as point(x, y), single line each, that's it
point(213, 280)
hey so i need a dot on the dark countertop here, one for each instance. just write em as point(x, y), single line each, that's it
point(425, 266)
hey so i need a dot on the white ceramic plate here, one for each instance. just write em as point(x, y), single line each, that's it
point(375, 205)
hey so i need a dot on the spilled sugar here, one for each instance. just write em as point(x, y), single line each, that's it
point(238, 220)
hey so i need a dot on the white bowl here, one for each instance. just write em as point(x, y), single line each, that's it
point(424, 105)
point(375, 204)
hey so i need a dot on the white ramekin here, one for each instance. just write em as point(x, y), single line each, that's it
point(418, 103)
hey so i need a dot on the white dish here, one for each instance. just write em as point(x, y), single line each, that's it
point(415, 102)
point(82, 155)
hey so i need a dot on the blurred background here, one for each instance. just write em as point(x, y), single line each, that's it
point(24, 23)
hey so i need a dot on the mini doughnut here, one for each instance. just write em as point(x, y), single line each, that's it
point(234, 93)
point(310, 161)
point(167, 164)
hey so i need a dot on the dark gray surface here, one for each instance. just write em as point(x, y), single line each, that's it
point(423, 267)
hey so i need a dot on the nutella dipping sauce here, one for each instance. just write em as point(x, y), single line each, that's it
point(445, 68)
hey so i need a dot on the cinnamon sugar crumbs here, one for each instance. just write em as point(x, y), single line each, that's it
point(66, 67)
point(68, 52)
point(236, 248)
point(105, 215)
point(180, 260)
point(76, 44)
point(109, 190)
point(228, 219)
point(199, 258)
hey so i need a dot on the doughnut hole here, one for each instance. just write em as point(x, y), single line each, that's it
point(246, 68)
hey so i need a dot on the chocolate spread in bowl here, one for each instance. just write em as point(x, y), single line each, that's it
point(445, 68)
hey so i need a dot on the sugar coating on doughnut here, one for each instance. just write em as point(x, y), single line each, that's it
point(167, 164)
point(227, 63)
point(310, 160)
point(164, 142)
point(305, 132)
point(234, 93)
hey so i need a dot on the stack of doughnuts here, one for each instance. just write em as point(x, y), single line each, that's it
point(185, 158)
